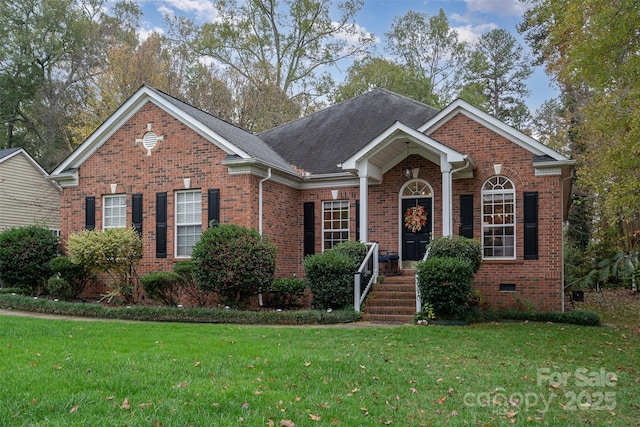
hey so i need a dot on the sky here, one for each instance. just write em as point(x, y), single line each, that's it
point(470, 18)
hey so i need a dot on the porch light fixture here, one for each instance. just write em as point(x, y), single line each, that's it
point(407, 168)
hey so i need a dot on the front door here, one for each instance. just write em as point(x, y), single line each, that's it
point(415, 243)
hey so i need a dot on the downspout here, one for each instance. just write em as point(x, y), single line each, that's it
point(449, 232)
point(563, 237)
point(268, 177)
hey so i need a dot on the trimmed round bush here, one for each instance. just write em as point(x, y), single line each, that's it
point(75, 276)
point(287, 291)
point(234, 261)
point(25, 253)
point(162, 286)
point(457, 247)
point(189, 285)
point(445, 284)
point(330, 276)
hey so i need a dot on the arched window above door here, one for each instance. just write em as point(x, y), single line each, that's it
point(417, 188)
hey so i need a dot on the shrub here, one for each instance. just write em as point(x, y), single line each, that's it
point(162, 286)
point(235, 262)
point(75, 276)
point(356, 251)
point(188, 283)
point(25, 253)
point(330, 276)
point(60, 288)
point(287, 291)
point(115, 251)
point(457, 247)
point(445, 284)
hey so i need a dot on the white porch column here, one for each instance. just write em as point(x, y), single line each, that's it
point(447, 227)
point(364, 207)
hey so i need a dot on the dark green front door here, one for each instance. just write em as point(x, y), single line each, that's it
point(415, 244)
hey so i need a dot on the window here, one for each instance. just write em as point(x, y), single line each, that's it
point(114, 213)
point(188, 221)
point(335, 223)
point(498, 218)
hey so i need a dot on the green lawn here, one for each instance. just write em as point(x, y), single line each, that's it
point(61, 373)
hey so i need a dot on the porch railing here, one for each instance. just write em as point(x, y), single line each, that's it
point(418, 303)
point(366, 276)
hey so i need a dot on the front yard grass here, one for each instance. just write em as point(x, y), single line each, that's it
point(115, 373)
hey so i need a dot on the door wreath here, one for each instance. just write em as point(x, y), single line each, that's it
point(415, 218)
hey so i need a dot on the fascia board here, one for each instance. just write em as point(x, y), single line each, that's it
point(519, 138)
point(399, 128)
point(128, 110)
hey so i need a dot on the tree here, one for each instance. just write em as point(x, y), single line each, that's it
point(590, 47)
point(279, 49)
point(498, 70)
point(48, 48)
point(370, 73)
point(427, 45)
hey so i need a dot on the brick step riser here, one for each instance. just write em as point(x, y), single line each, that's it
point(387, 302)
point(406, 311)
point(385, 288)
point(393, 295)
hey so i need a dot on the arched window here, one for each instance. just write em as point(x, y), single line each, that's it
point(499, 218)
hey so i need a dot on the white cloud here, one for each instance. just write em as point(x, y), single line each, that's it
point(501, 8)
point(204, 10)
point(143, 34)
point(470, 33)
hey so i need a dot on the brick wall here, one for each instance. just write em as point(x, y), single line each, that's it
point(185, 154)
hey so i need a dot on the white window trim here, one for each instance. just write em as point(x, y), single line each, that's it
point(104, 210)
point(186, 224)
point(512, 191)
point(324, 209)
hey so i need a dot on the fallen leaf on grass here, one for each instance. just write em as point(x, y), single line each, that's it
point(125, 404)
point(314, 417)
point(287, 423)
point(74, 409)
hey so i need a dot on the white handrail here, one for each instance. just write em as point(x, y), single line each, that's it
point(370, 258)
point(418, 303)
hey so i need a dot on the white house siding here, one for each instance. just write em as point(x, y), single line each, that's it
point(26, 196)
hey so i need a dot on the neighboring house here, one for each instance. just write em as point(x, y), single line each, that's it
point(27, 197)
point(347, 172)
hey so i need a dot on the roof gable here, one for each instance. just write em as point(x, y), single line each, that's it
point(519, 138)
point(236, 142)
point(8, 153)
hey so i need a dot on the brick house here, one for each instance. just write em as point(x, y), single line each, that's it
point(347, 172)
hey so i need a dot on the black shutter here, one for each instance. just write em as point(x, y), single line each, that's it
point(213, 207)
point(90, 213)
point(466, 215)
point(357, 220)
point(136, 212)
point(309, 228)
point(161, 225)
point(531, 225)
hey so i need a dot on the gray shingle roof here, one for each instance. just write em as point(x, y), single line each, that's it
point(242, 139)
point(6, 151)
point(317, 143)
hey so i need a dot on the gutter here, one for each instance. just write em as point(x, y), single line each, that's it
point(563, 237)
point(263, 180)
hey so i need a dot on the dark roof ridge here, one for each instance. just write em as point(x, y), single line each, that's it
point(350, 100)
point(163, 93)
